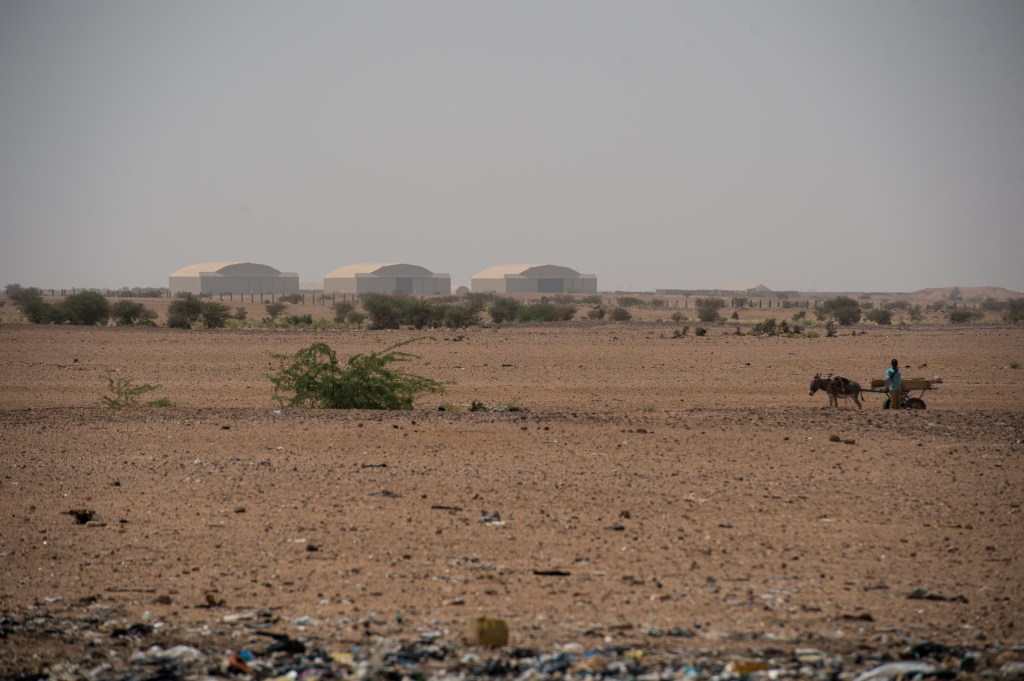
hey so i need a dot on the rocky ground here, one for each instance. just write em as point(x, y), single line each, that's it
point(630, 503)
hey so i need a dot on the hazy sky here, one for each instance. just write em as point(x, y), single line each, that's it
point(809, 145)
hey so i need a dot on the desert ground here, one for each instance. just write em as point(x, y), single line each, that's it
point(621, 487)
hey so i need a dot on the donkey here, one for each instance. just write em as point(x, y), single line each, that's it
point(836, 387)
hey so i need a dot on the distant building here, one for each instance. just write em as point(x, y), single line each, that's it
point(387, 278)
point(213, 278)
point(532, 279)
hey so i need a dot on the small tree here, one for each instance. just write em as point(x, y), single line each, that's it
point(214, 315)
point(707, 309)
point(883, 317)
point(313, 377)
point(619, 314)
point(504, 310)
point(85, 308)
point(184, 311)
point(132, 313)
point(1014, 310)
point(844, 309)
point(341, 310)
point(29, 301)
point(276, 309)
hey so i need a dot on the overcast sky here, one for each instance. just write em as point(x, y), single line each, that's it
point(804, 145)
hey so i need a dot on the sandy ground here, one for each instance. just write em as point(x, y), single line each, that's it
point(655, 491)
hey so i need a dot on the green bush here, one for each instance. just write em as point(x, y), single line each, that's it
point(293, 298)
point(85, 308)
point(355, 318)
point(188, 308)
point(504, 310)
point(385, 311)
point(882, 317)
point(313, 377)
point(1014, 310)
point(619, 314)
point(124, 393)
point(843, 309)
point(131, 313)
point(597, 312)
point(299, 320)
point(29, 301)
point(767, 327)
point(341, 310)
point(276, 309)
point(963, 316)
point(707, 309)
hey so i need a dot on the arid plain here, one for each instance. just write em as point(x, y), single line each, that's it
point(621, 486)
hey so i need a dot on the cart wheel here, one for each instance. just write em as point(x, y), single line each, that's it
point(885, 405)
point(915, 403)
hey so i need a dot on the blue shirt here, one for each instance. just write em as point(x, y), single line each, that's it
point(894, 379)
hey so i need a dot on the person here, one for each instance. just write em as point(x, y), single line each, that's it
point(894, 384)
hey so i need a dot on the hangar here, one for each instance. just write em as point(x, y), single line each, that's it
point(213, 278)
point(387, 278)
point(532, 279)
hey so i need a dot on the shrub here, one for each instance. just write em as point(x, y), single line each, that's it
point(214, 315)
point(124, 393)
point(590, 300)
point(276, 309)
point(85, 308)
point(384, 311)
point(678, 316)
point(293, 298)
point(963, 316)
point(830, 329)
point(681, 333)
point(700, 331)
point(883, 317)
point(597, 312)
point(802, 314)
point(299, 320)
point(844, 309)
point(241, 314)
point(131, 313)
point(188, 309)
point(629, 301)
point(504, 310)
point(545, 312)
point(915, 313)
point(314, 378)
point(184, 310)
point(341, 310)
point(707, 309)
point(1014, 310)
point(355, 318)
point(619, 314)
point(767, 327)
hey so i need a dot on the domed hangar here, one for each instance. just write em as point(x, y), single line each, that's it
point(532, 279)
point(387, 278)
point(213, 278)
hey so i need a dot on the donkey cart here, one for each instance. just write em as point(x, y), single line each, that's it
point(909, 385)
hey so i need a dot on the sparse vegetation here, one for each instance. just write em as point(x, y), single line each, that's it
point(124, 393)
point(341, 310)
point(313, 377)
point(963, 316)
point(293, 298)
